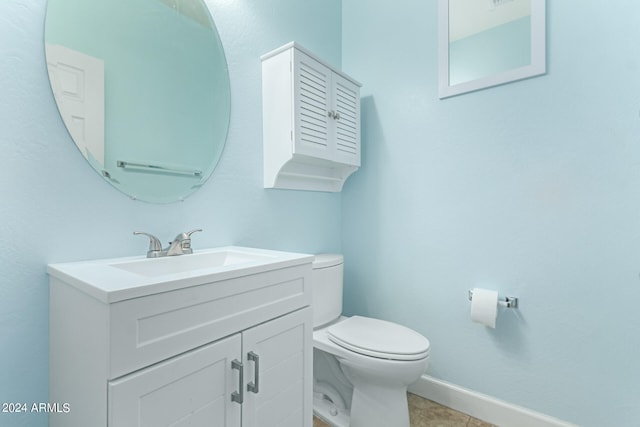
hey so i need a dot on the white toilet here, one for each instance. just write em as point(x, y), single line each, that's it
point(361, 366)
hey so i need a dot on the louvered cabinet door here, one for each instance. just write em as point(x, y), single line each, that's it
point(346, 104)
point(312, 97)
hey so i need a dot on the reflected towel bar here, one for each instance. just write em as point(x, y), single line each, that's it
point(124, 164)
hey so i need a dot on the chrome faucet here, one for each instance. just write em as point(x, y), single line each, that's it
point(181, 245)
point(155, 247)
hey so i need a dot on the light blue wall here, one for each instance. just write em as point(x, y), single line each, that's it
point(55, 208)
point(531, 188)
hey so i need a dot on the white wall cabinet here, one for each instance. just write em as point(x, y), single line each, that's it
point(311, 121)
point(224, 352)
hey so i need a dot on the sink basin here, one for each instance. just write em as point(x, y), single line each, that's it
point(155, 267)
point(119, 279)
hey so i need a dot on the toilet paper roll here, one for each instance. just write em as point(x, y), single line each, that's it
point(484, 307)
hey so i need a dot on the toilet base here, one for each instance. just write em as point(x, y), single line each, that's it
point(375, 407)
point(329, 413)
point(377, 392)
point(379, 406)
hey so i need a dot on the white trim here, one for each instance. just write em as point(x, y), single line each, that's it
point(481, 406)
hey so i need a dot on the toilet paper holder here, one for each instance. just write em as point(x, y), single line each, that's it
point(508, 302)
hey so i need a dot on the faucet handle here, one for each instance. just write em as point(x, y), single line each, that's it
point(185, 236)
point(189, 233)
point(155, 247)
point(182, 243)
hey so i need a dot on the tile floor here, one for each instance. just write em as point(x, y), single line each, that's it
point(425, 413)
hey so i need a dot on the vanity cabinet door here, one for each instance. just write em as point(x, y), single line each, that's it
point(191, 389)
point(283, 349)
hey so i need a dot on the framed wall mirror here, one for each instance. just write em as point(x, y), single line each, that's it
point(143, 89)
point(484, 43)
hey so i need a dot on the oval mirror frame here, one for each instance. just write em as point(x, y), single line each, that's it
point(143, 89)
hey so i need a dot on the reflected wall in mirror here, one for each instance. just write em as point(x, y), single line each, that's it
point(484, 43)
point(143, 89)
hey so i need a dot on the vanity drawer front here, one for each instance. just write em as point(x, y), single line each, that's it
point(150, 329)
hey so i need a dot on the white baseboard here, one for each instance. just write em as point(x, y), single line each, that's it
point(483, 407)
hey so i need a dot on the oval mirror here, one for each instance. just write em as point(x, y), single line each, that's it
point(143, 89)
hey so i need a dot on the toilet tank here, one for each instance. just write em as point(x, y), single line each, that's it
point(326, 288)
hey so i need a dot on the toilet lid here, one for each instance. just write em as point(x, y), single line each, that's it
point(379, 338)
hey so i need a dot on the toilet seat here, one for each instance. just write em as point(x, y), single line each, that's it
point(379, 338)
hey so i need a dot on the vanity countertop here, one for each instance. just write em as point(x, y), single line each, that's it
point(119, 279)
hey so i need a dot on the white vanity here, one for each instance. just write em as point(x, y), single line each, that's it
point(221, 337)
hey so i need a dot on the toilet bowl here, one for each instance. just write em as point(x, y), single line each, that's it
point(362, 366)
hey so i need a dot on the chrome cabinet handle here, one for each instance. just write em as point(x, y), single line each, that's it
point(254, 386)
point(334, 114)
point(238, 396)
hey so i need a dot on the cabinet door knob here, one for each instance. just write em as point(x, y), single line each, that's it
point(333, 114)
point(254, 386)
point(238, 396)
